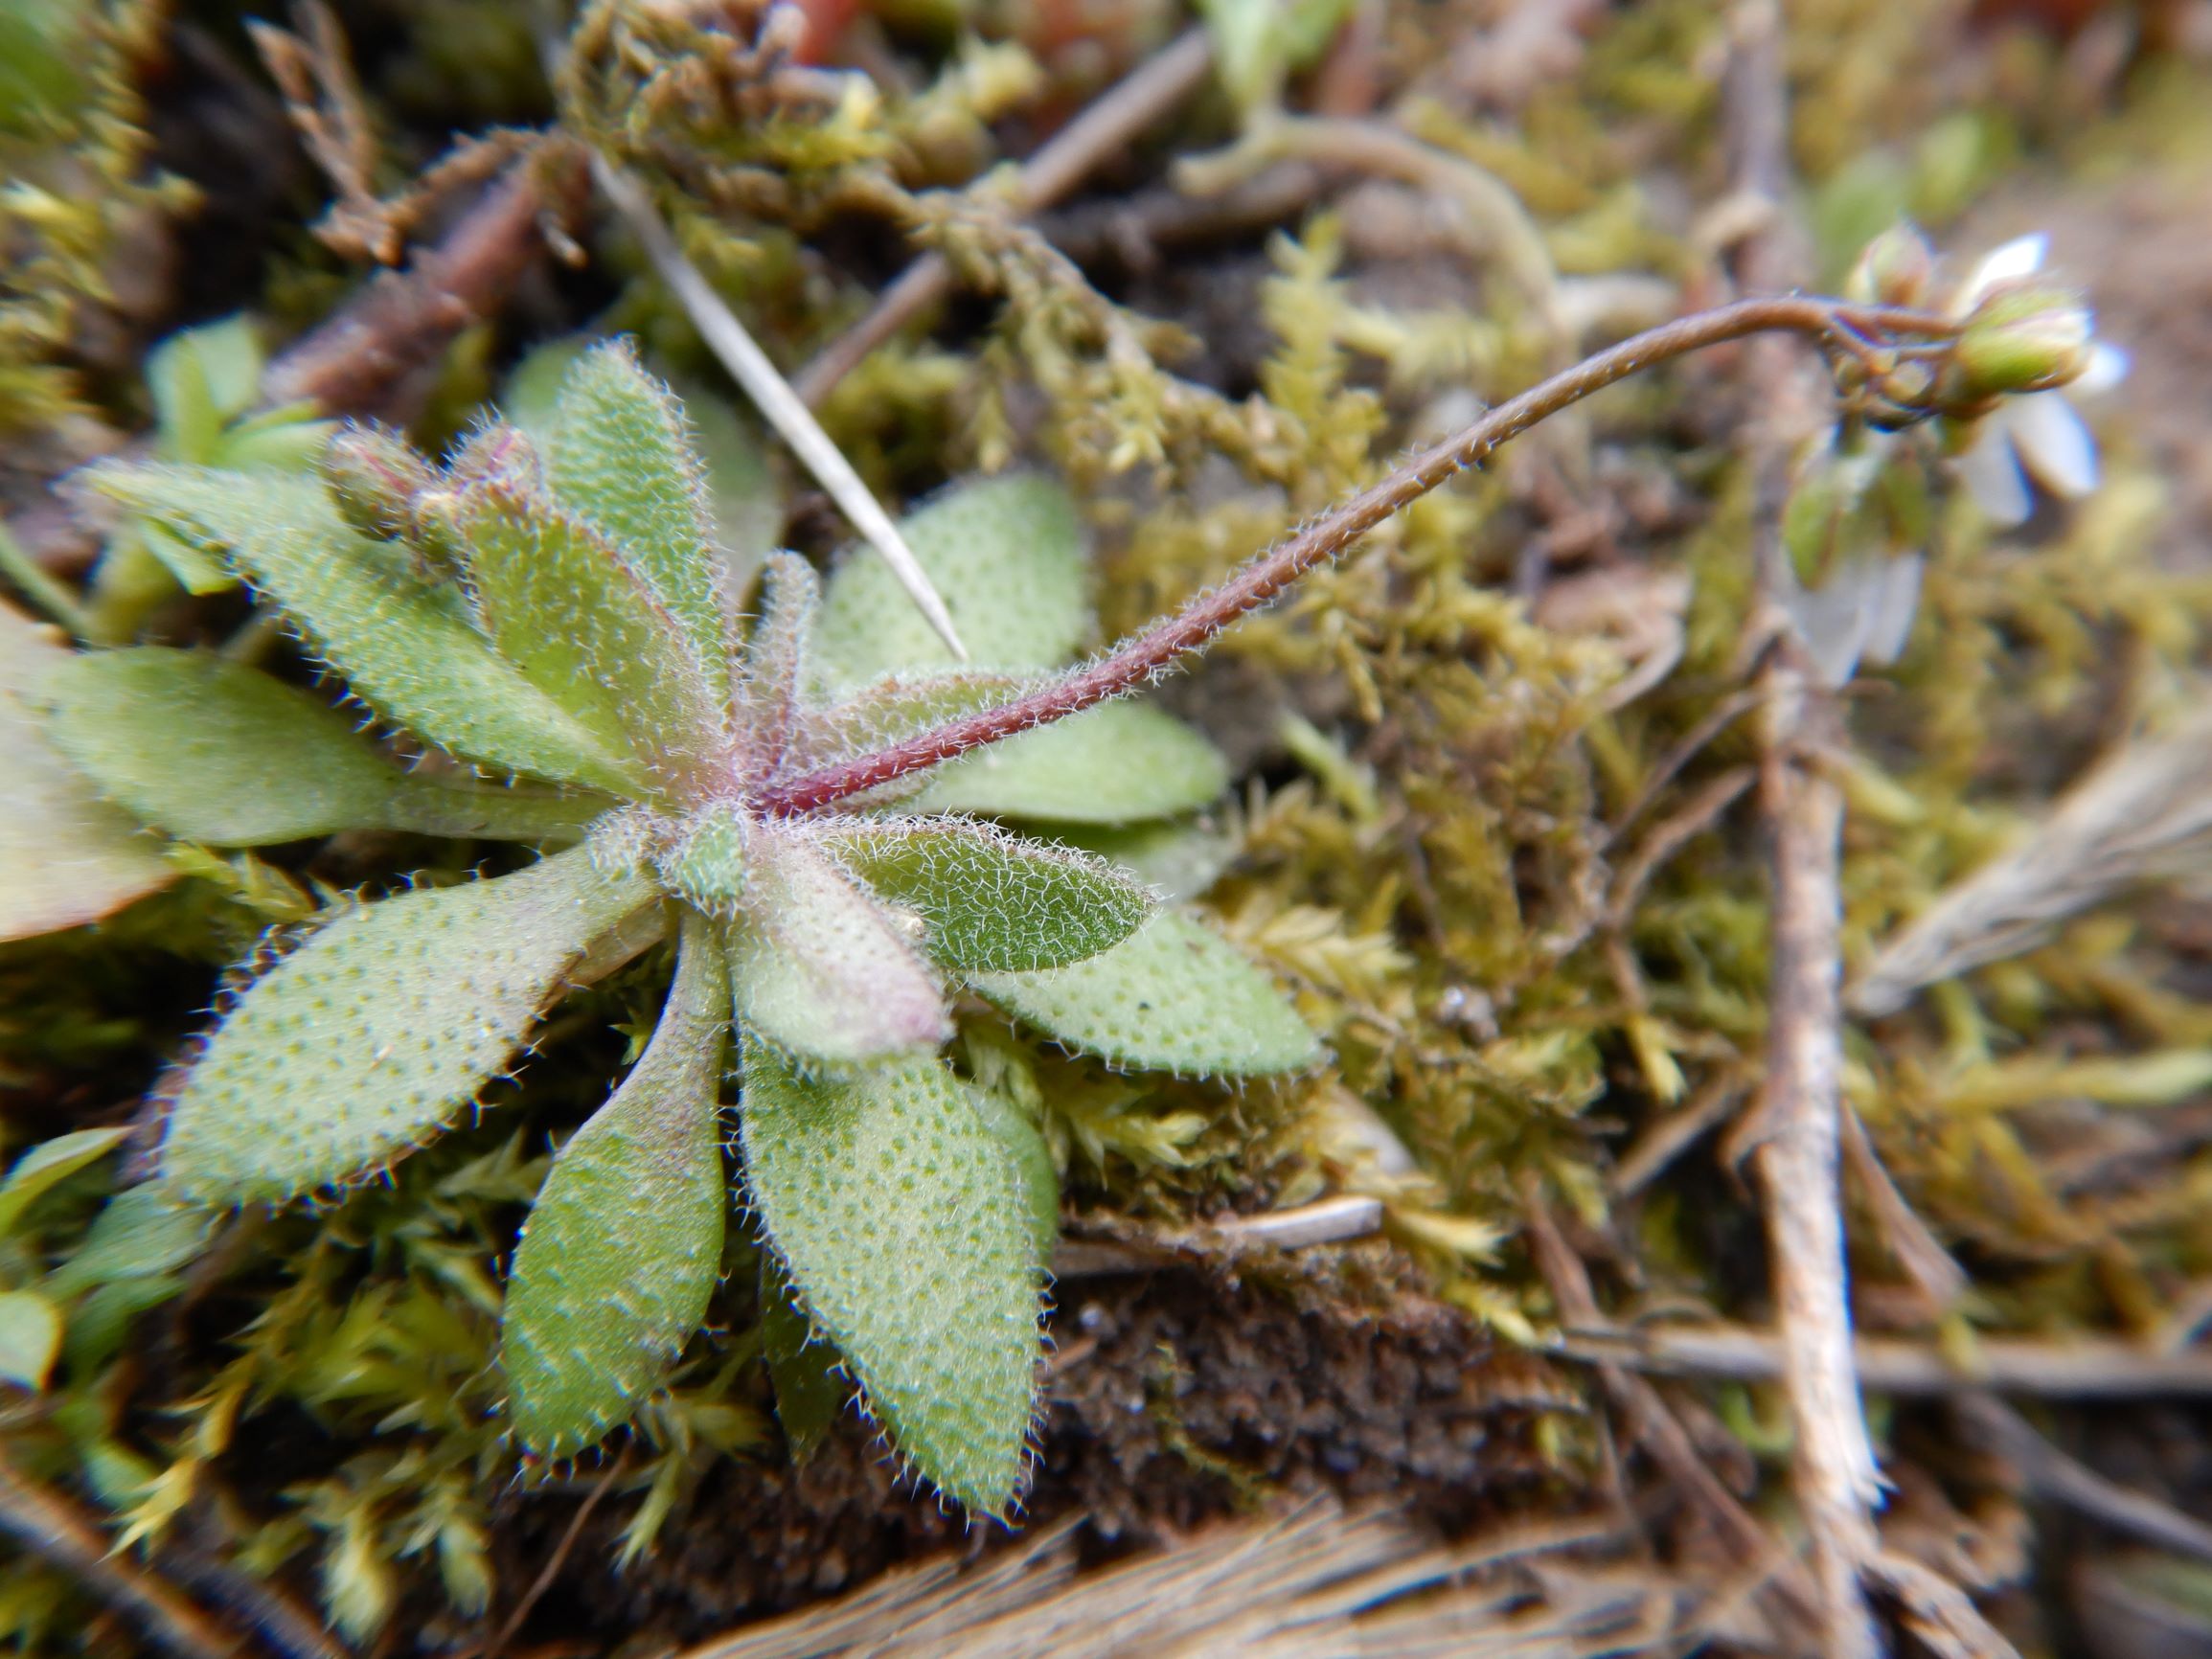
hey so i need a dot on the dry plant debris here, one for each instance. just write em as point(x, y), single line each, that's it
point(1567, 784)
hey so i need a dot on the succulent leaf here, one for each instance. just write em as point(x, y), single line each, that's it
point(66, 857)
point(379, 1029)
point(406, 648)
point(217, 752)
point(563, 605)
point(30, 1337)
point(802, 1364)
point(1172, 996)
point(48, 1162)
point(1109, 764)
point(990, 902)
point(819, 968)
point(619, 454)
point(1006, 555)
point(903, 1222)
point(624, 1245)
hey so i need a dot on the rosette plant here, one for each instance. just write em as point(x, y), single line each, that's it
point(550, 608)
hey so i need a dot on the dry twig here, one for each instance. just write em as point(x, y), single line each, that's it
point(1654, 1426)
point(2050, 1473)
point(1155, 86)
point(2098, 1369)
point(1837, 1481)
point(51, 1528)
point(748, 365)
point(357, 361)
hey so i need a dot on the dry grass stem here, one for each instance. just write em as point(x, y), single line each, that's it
point(1317, 1581)
point(2089, 1369)
point(2143, 816)
point(2051, 1474)
point(771, 393)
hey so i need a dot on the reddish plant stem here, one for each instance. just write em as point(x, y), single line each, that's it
point(1138, 659)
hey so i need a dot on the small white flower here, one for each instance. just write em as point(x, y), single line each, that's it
point(2038, 434)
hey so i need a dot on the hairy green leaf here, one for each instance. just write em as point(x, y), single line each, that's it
point(769, 702)
point(1024, 1143)
point(372, 1035)
point(46, 1163)
point(622, 1247)
point(1109, 764)
point(1172, 996)
point(904, 1224)
point(819, 968)
point(619, 454)
point(30, 1337)
point(706, 863)
point(406, 648)
point(988, 902)
point(217, 752)
point(802, 1364)
point(565, 607)
point(66, 857)
point(1006, 553)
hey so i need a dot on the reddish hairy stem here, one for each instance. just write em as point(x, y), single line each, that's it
point(1136, 660)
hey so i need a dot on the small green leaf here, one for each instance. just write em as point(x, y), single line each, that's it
point(46, 1163)
point(904, 1224)
point(564, 605)
point(990, 902)
point(819, 968)
point(282, 440)
point(66, 857)
point(204, 378)
point(143, 1232)
point(371, 1036)
point(619, 454)
point(705, 864)
point(772, 682)
point(406, 648)
point(217, 752)
point(1172, 996)
point(196, 572)
point(1109, 764)
point(30, 1337)
point(1006, 555)
point(744, 502)
point(622, 1247)
point(802, 1364)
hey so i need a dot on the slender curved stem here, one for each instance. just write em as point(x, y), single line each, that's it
point(1144, 656)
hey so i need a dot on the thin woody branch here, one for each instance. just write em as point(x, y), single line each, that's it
point(1833, 324)
point(354, 362)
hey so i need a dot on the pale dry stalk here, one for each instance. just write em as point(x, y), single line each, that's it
point(1835, 1477)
